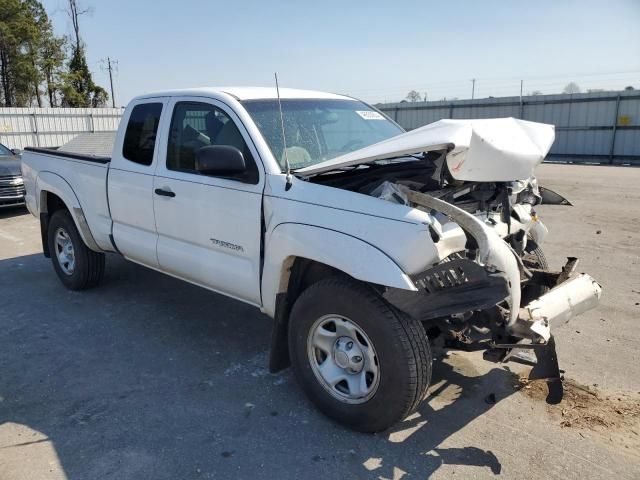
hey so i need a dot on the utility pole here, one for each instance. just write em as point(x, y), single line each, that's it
point(521, 104)
point(110, 70)
point(473, 88)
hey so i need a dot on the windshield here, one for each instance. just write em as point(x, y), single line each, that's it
point(4, 150)
point(318, 130)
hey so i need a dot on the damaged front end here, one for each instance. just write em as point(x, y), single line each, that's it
point(496, 295)
point(489, 287)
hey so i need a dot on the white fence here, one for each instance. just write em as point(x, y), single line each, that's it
point(601, 127)
point(52, 127)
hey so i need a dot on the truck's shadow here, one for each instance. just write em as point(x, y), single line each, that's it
point(149, 377)
point(10, 212)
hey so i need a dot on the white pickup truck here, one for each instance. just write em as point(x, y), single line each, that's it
point(363, 242)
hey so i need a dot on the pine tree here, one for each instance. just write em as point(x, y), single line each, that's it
point(32, 60)
point(51, 62)
point(78, 89)
point(17, 34)
point(26, 40)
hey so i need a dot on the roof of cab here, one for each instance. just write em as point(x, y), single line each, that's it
point(247, 93)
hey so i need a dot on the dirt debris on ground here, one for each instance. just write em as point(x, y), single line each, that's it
point(585, 407)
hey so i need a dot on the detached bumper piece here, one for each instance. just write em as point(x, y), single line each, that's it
point(558, 306)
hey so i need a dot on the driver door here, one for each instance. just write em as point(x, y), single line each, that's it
point(209, 227)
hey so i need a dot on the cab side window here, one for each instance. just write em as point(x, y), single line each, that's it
point(195, 125)
point(140, 136)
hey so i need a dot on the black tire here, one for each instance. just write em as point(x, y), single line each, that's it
point(402, 347)
point(88, 268)
point(539, 257)
point(534, 258)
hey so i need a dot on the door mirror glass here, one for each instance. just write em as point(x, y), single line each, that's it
point(220, 160)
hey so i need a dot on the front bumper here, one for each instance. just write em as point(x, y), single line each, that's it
point(486, 292)
point(11, 202)
point(461, 286)
point(12, 191)
point(452, 287)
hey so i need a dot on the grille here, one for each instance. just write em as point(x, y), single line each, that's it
point(449, 274)
point(11, 186)
point(446, 276)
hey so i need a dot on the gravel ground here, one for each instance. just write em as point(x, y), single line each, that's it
point(149, 377)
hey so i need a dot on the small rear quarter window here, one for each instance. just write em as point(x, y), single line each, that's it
point(142, 130)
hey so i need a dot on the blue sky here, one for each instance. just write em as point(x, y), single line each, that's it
point(375, 50)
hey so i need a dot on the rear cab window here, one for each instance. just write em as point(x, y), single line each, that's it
point(141, 134)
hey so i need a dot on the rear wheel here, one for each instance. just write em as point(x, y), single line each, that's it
point(77, 266)
point(361, 362)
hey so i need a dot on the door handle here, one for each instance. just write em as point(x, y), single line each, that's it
point(164, 193)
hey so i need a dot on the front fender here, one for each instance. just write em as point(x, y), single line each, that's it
point(346, 253)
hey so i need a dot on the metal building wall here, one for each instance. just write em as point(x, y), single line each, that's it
point(601, 127)
point(52, 127)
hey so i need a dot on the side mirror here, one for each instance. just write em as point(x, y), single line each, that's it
point(16, 151)
point(220, 160)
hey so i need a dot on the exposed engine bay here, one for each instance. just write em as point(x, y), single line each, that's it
point(492, 290)
point(506, 206)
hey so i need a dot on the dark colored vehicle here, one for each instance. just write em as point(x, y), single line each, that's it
point(11, 183)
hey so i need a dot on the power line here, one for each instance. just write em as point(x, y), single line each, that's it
point(497, 88)
point(516, 79)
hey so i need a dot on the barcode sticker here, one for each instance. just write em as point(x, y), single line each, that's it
point(369, 115)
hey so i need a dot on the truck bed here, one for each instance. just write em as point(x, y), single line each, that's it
point(91, 147)
point(98, 144)
point(78, 178)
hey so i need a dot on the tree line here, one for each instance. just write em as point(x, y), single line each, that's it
point(39, 68)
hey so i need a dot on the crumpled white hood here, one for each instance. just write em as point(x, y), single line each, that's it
point(487, 150)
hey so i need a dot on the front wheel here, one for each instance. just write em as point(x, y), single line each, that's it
point(361, 362)
point(78, 267)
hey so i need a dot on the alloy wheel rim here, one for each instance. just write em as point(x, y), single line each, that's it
point(343, 359)
point(65, 252)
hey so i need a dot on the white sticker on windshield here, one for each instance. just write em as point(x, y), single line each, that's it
point(369, 115)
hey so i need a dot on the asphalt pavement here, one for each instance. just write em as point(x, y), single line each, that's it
point(150, 377)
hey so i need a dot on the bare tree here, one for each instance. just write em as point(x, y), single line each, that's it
point(629, 88)
point(534, 93)
point(414, 96)
point(75, 12)
point(571, 87)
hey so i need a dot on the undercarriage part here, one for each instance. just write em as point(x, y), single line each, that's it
point(567, 270)
point(547, 368)
point(545, 363)
point(550, 279)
